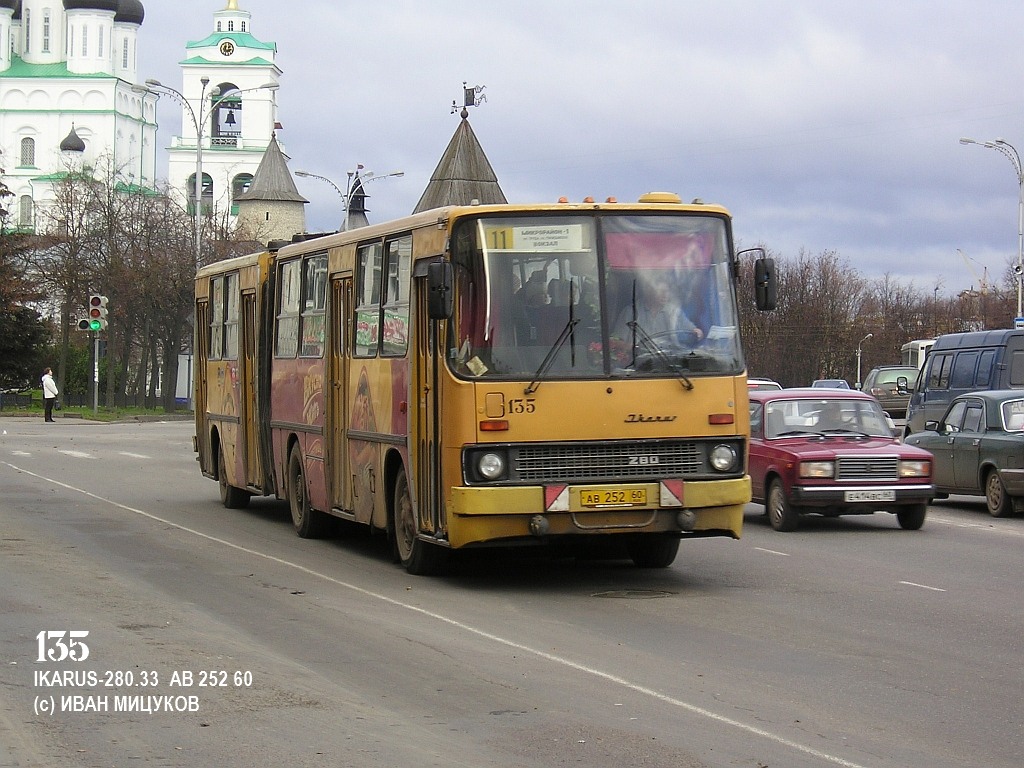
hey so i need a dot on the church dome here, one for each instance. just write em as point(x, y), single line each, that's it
point(130, 12)
point(90, 5)
point(10, 4)
point(72, 142)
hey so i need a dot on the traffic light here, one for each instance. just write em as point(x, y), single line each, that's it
point(84, 324)
point(97, 312)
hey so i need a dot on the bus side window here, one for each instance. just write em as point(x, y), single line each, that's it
point(367, 312)
point(231, 317)
point(395, 329)
point(216, 318)
point(314, 306)
point(289, 297)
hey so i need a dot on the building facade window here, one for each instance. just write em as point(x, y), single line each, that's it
point(25, 211)
point(27, 26)
point(231, 26)
point(100, 52)
point(85, 40)
point(124, 55)
point(28, 152)
point(243, 26)
point(46, 30)
point(207, 193)
point(240, 185)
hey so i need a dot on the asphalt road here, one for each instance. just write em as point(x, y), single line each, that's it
point(217, 637)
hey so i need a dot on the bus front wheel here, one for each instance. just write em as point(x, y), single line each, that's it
point(653, 550)
point(308, 522)
point(417, 557)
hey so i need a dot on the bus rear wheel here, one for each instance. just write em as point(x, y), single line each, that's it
point(308, 523)
point(231, 496)
point(417, 556)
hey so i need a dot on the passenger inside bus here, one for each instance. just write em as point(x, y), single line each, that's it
point(655, 311)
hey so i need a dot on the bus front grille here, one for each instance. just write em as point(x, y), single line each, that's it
point(591, 462)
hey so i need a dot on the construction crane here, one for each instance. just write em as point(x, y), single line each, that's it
point(983, 280)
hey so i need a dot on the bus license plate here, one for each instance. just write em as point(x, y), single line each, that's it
point(879, 495)
point(619, 496)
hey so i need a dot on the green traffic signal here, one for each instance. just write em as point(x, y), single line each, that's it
point(97, 312)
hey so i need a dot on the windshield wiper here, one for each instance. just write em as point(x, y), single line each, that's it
point(652, 347)
point(550, 357)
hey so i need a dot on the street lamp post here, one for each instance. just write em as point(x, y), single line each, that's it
point(346, 196)
point(859, 343)
point(199, 123)
point(1010, 153)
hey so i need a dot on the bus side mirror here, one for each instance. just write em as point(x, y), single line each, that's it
point(440, 293)
point(765, 290)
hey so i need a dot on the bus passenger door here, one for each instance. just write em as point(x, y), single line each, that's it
point(248, 415)
point(201, 356)
point(336, 391)
point(425, 440)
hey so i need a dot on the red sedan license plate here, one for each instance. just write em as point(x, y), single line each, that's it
point(619, 496)
point(879, 495)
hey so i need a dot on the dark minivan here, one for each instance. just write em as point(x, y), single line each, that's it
point(965, 362)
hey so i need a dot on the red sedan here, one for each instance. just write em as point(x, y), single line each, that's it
point(833, 453)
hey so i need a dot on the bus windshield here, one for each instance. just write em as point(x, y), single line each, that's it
point(585, 296)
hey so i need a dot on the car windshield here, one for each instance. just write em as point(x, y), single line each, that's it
point(822, 415)
point(589, 296)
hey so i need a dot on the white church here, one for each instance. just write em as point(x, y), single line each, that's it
point(66, 76)
point(71, 96)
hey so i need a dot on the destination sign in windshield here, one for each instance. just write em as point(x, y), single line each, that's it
point(536, 239)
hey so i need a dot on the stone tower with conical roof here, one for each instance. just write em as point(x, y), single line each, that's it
point(272, 208)
point(463, 175)
point(70, 66)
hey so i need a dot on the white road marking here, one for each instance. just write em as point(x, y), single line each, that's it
point(134, 455)
point(482, 633)
point(21, 453)
point(923, 586)
point(76, 454)
point(773, 551)
point(1005, 527)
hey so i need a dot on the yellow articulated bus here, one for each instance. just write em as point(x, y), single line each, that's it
point(487, 375)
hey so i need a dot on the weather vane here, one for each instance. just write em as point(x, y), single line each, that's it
point(471, 97)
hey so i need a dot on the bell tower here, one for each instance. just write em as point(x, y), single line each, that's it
point(229, 112)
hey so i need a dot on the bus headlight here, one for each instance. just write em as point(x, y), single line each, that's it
point(491, 466)
point(723, 458)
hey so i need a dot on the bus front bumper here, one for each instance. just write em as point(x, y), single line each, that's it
point(699, 508)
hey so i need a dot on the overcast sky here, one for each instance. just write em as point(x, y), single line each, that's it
point(822, 126)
